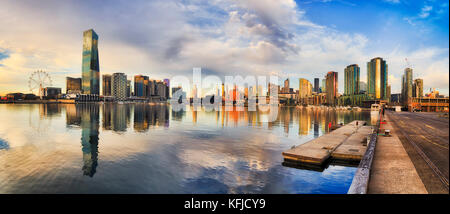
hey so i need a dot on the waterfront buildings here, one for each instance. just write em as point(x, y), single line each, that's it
point(417, 89)
point(106, 85)
point(331, 87)
point(351, 80)
point(377, 78)
point(119, 86)
point(90, 68)
point(73, 85)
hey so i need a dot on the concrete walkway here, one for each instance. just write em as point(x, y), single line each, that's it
point(392, 170)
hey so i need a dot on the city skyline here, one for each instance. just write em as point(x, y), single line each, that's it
point(292, 43)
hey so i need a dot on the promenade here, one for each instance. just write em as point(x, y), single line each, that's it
point(392, 170)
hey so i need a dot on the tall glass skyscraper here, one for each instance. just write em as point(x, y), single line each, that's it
point(90, 69)
point(377, 78)
point(407, 85)
point(351, 80)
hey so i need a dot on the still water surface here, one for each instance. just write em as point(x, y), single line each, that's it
point(142, 148)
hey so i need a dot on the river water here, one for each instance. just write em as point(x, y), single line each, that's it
point(143, 148)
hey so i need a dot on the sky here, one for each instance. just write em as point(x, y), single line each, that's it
point(165, 38)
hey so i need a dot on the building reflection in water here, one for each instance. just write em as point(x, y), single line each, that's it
point(146, 115)
point(89, 137)
point(117, 118)
point(86, 116)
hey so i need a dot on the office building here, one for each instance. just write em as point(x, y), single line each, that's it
point(73, 85)
point(316, 85)
point(305, 88)
point(90, 68)
point(128, 88)
point(407, 82)
point(140, 85)
point(332, 87)
point(377, 78)
point(106, 85)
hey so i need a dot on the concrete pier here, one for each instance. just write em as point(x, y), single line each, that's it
point(392, 170)
point(351, 136)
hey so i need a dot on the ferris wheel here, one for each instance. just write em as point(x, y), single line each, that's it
point(39, 80)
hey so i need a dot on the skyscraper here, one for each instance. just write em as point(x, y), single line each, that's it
point(285, 89)
point(331, 87)
point(119, 86)
point(316, 85)
point(377, 78)
point(128, 88)
point(324, 85)
point(418, 88)
point(351, 80)
point(407, 82)
point(106, 85)
point(90, 69)
point(140, 85)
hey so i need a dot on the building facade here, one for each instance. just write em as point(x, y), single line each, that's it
point(351, 80)
point(119, 86)
point(106, 85)
point(316, 85)
point(417, 89)
point(305, 88)
point(73, 85)
point(140, 85)
point(377, 78)
point(331, 87)
point(90, 68)
point(407, 82)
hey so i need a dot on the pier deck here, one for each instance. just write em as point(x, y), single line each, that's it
point(317, 151)
point(354, 148)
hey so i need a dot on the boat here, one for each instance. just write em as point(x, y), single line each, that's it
point(375, 109)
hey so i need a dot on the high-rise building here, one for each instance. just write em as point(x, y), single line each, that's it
point(388, 92)
point(90, 69)
point(407, 82)
point(128, 88)
point(162, 89)
point(140, 85)
point(418, 88)
point(316, 85)
point(332, 87)
point(351, 80)
point(305, 88)
point(285, 89)
point(106, 85)
point(73, 85)
point(377, 78)
point(119, 86)
point(324, 85)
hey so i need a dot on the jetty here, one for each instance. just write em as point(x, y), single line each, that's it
point(346, 143)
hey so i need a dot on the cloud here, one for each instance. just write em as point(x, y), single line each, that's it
point(425, 12)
